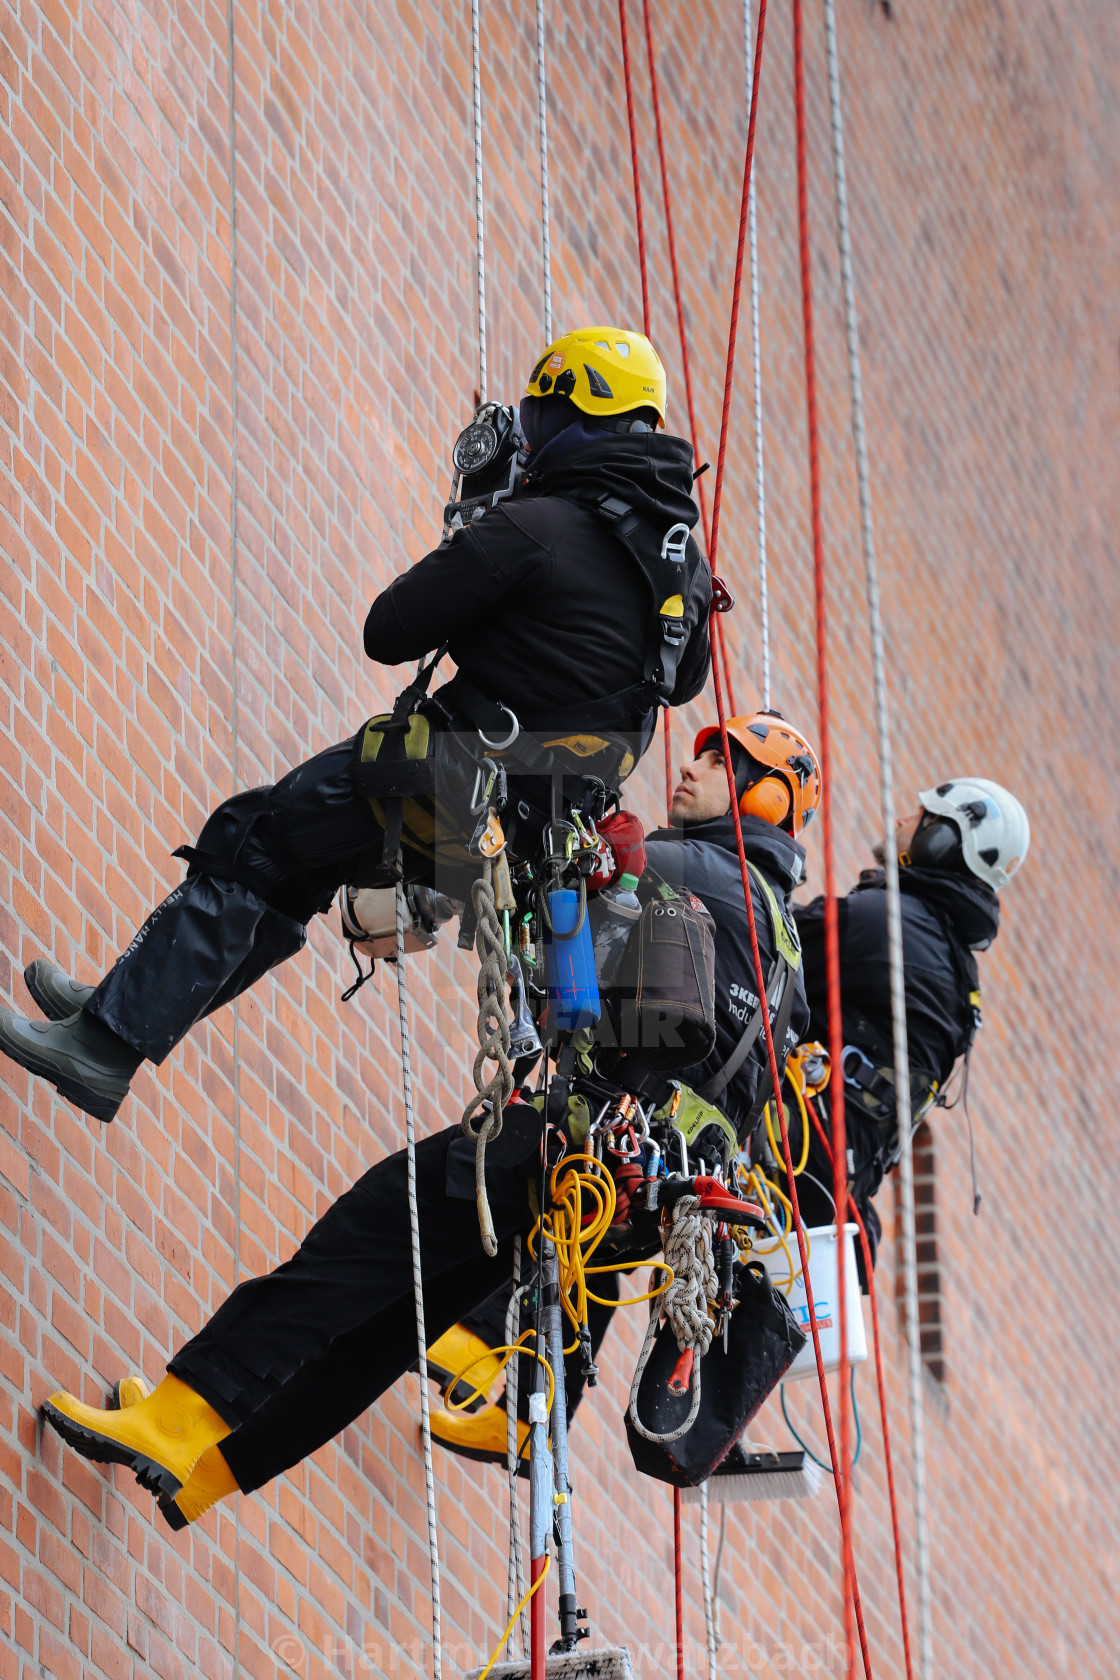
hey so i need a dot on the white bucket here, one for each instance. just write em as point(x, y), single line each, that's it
point(821, 1242)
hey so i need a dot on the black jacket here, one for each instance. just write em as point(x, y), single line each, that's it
point(945, 917)
point(703, 857)
point(543, 607)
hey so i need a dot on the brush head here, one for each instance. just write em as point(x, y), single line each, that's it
point(745, 1476)
point(607, 1663)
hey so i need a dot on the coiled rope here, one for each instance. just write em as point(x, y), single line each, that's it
point(890, 854)
point(492, 1025)
point(418, 1288)
point(689, 1253)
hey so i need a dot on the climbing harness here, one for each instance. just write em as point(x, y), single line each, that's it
point(418, 1287)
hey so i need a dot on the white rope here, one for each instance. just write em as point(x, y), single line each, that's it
point(418, 1290)
point(688, 1253)
point(479, 204)
point(890, 852)
point(542, 113)
point(706, 1583)
point(515, 1580)
point(716, 1570)
point(760, 476)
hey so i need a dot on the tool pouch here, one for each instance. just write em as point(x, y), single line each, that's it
point(420, 782)
point(663, 999)
point(763, 1341)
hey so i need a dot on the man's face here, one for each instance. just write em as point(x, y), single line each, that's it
point(701, 793)
point(904, 831)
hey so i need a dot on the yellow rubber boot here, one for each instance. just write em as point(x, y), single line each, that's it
point(129, 1391)
point(461, 1362)
point(211, 1480)
point(479, 1435)
point(160, 1439)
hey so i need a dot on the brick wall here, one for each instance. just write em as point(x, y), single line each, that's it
point(239, 332)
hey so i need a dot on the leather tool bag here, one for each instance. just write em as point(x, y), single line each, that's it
point(663, 999)
point(763, 1341)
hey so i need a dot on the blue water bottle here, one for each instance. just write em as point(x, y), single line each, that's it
point(569, 962)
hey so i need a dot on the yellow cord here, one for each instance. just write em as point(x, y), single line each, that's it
point(509, 1349)
point(516, 1613)
point(576, 1241)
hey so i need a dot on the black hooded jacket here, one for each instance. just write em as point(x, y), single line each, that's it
point(543, 607)
point(945, 917)
point(704, 858)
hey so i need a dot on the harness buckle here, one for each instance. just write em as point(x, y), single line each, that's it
point(674, 545)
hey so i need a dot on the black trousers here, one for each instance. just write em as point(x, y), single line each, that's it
point(287, 849)
point(290, 1359)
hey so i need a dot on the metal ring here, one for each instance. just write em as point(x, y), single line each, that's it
point(499, 746)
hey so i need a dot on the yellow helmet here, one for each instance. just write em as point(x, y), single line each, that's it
point(604, 370)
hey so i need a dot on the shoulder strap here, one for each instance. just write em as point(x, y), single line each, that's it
point(670, 561)
point(786, 964)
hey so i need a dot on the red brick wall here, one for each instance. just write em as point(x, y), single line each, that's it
point(222, 436)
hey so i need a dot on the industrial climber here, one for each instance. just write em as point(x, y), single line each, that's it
point(962, 845)
point(573, 601)
point(777, 781)
point(293, 1357)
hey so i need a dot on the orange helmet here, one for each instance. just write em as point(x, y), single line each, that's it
point(787, 787)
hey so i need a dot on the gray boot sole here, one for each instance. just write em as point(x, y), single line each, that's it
point(53, 990)
point(100, 1105)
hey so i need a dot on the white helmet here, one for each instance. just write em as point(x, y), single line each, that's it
point(995, 834)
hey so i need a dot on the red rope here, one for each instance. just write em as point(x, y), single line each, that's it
point(634, 163)
point(668, 760)
point(654, 88)
point(720, 650)
point(888, 1458)
point(831, 931)
point(721, 459)
point(679, 1583)
point(850, 1584)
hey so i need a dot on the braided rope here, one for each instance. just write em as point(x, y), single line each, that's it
point(516, 1569)
point(706, 1584)
point(542, 116)
point(894, 909)
point(479, 199)
point(688, 1252)
point(493, 1045)
point(760, 475)
point(418, 1289)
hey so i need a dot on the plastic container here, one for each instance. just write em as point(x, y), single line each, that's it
point(822, 1274)
point(613, 913)
point(569, 963)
